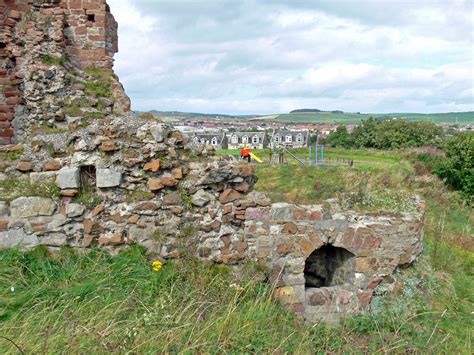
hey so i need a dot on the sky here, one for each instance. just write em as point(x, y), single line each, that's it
point(274, 56)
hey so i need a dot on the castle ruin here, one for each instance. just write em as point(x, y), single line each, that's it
point(84, 174)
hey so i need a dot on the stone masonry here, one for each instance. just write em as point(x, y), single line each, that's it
point(92, 177)
point(44, 47)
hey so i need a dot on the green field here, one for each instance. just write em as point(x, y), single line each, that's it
point(332, 156)
point(461, 118)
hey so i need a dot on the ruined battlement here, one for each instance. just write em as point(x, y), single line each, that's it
point(44, 48)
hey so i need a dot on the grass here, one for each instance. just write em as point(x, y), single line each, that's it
point(362, 189)
point(98, 303)
point(11, 189)
point(11, 156)
point(99, 84)
point(46, 130)
point(95, 302)
point(88, 197)
point(332, 156)
point(50, 60)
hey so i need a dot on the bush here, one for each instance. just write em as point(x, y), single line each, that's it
point(458, 167)
point(389, 134)
point(340, 138)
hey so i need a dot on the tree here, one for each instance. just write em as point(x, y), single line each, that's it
point(458, 167)
point(340, 137)
point(364, 134)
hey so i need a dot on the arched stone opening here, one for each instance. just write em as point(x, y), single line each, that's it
point(329, 266)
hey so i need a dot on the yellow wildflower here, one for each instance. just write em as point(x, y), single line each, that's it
point(157, 265)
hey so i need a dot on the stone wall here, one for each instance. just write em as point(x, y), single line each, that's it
point(44, 48)
point(156, 188)
point(85, 175)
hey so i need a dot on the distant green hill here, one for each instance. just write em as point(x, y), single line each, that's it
point(318, 116)
point(461, 118)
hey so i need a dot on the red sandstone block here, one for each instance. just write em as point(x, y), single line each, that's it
point(80, 30)
point(16, 15)
point(75, 4)
point(5, 81)
point(4, 124)
point(3, 72)
point(97, 38)
point(10, 22)
point(5, 141)
point(3, 225)
point(12, 93)
point(90, 5)
point(6, 133)
point(14, 101)
point(6, 108)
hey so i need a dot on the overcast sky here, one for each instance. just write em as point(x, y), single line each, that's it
point(273, 56)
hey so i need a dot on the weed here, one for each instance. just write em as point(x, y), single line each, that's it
point(11, 189)
point(12, 156)
point(50, 60)
point(139, 195)
point(98, 88)
point(158, 236)
point(74, 111)
point(186, 197)
point(100, 83)
point(46, 129)
point(88, 197)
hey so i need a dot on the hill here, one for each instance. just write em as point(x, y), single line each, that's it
point(323, 117)
point(330, 117)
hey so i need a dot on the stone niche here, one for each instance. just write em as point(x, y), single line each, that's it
point(329, 266)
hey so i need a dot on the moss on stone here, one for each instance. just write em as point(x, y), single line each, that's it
point(139, 195)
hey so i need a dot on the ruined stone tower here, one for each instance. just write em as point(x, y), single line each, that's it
point(46, 48)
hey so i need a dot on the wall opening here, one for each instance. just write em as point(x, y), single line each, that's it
point(88, 176)
point(91, 18)
point(329, 266)
point(3, 45)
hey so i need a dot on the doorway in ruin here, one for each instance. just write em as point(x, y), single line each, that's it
point(329, 266)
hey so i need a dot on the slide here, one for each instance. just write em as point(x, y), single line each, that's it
point(257, 159)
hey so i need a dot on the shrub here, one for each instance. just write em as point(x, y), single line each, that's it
point(458, 167)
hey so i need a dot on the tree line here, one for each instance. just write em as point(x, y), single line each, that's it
point(456, 167)
point(388, 134)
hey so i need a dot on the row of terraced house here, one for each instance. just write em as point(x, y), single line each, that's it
point(253, 140)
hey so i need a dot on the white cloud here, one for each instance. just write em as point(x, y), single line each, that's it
point(261, 56)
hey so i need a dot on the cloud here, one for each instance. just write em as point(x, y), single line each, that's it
point(262, 56)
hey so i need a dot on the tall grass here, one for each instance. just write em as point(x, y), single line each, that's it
point(94, 302)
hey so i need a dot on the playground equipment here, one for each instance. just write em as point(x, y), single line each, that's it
point(257, 159)
point(318, 155)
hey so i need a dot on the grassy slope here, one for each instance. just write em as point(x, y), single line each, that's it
point(451, 117)
point(97, 303)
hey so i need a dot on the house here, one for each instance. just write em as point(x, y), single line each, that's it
point(291, 139)
point(253, 140)
point(217, 139)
